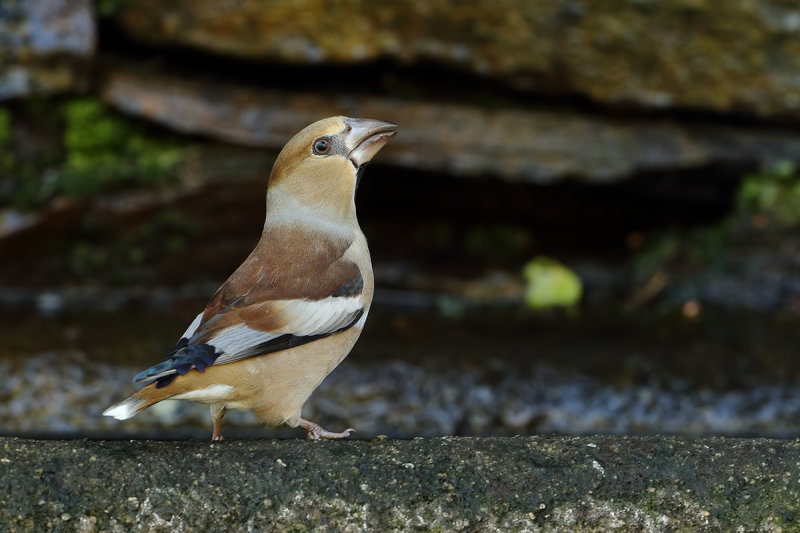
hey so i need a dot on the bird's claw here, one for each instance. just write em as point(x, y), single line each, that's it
point(317, 432)
point(325, 434)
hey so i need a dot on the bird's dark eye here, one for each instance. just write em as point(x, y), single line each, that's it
point(321, 146)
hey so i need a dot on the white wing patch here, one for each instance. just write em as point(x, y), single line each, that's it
point(302, 318)
point(316, 317)
point(361, 322)
point(192, 327)
point(238, 338)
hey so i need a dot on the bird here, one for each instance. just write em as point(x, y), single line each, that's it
point(295, 307)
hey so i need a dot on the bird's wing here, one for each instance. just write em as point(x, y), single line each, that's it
point(276, 325)
point(265, 308)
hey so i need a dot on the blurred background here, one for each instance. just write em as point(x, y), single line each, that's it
point(587, 224)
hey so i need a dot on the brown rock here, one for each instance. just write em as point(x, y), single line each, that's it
point(740, 56)
point(44, 45)
point(539, 146)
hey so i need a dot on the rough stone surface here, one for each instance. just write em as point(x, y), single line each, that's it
point(534, 145)
point(45, 45)
point(446, 484)
point(722, 56)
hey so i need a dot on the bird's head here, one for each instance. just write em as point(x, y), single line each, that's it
point(317, 172)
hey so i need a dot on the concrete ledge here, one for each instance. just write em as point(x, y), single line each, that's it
point(443, 484)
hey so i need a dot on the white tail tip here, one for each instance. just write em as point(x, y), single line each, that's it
point(124, 409)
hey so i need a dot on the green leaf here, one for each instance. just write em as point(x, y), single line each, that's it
point(551, 284)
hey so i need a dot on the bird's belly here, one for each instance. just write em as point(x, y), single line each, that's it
point(275, 386)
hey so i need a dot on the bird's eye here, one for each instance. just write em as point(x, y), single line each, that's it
point(321, 146)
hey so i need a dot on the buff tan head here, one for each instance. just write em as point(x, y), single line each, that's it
point(319, 168)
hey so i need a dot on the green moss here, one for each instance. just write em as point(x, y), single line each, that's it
point(6, 156)
point(106, 150)
point(107, 8)
point(5, 127)
point(102, 151)
point(700, 247)
point(87, 259)
point(775, 192)
point(115, 258)
point(499, 241)
point(656, 255)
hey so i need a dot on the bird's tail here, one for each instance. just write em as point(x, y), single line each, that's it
point(182, 359)
point(139, 400)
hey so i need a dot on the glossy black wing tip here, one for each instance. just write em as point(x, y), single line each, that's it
point(180, 360)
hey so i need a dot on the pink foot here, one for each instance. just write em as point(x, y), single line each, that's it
point(216, 435)
point(316, 432)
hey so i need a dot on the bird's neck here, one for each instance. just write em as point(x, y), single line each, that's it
point(285, 209)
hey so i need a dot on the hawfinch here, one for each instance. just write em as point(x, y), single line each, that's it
point(296, 306)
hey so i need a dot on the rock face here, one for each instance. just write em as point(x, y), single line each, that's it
point(528, 484)
point(739, 56)
point(686, 96)
point(539, 146)
point(45, 45)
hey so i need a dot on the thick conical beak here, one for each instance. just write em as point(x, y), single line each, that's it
point(366, 137)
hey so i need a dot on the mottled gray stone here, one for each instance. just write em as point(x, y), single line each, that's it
point(734, 56)
point(598, 483)
point(540, 146)
point(45, 45)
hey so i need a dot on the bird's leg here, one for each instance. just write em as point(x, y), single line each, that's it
point(316, 432)
point(217, 412)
